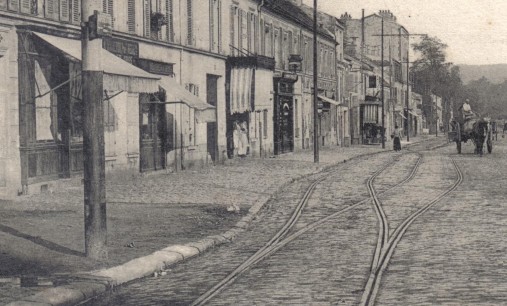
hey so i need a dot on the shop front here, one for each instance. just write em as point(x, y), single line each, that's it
point(51, 121)
point(369, 120)
point(249, 106)
point(283, 134)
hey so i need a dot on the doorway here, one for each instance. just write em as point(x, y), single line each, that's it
point(212, 127)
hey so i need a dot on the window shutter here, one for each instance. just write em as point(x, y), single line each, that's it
point(14, 5)
point(169, 16)
point(190, 23)
point(52, 9)
point(161, 11)
point(3, 4)
point(107, 7)
point(26, 6)
point(233, 10)
point(263, 42)
point(147, 18)
point(76, 11)
point(131, 16)
point(64, 10)
point(211, 25)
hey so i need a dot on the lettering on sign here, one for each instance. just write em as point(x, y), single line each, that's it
point(154, 66)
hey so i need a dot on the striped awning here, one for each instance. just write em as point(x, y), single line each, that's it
point(241, 89)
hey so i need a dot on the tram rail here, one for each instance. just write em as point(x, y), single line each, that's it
point(280, 239)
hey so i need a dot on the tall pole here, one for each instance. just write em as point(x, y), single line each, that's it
point(382, 65)
point(93, 138)
point(315, 88)
point(406, 103)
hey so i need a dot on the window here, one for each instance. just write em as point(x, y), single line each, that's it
point(75, 11)
point(147, 18)
point(252, 33)
point(372, 81)
point(215, 25)
point(278, 48)
point(170, 20)
point(234, 27)
point(23, 6)
point(190, 23)
point(131, 16)
point(109, 115)
point(268, 30)
point(107, 7)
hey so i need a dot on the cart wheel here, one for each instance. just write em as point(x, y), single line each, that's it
point(458, 146)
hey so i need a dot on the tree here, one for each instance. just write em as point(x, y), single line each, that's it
point(434, 75)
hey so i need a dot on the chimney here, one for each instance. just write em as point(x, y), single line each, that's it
point(345, 17)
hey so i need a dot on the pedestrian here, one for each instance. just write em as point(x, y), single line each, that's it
point(396, 135)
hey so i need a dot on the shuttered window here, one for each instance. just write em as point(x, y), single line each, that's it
point(52, 9)
point(170, 18)
point(76, 11)
point(14, 5)
point(26, 6)
point(263, 42)
point(107, 7)
point(131, 16)
point(3, 4)
point(232, 32)
point(64, 10)
point(215, 25)
point(147, 18)
point(190, 23)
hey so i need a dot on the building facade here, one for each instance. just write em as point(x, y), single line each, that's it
point(175, 124)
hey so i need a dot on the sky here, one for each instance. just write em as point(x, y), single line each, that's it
point(474, 30)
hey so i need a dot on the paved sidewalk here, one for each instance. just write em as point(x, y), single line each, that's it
point(153, 221)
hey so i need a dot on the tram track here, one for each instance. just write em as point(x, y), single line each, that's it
point(386, 249)
point(281, 238)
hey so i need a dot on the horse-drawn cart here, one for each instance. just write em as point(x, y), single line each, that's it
point(477, 130)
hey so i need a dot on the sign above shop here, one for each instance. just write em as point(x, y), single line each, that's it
point(127, 50)
point(154, 66)
point(100, 25)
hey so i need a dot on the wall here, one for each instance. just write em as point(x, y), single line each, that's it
point(10, 166)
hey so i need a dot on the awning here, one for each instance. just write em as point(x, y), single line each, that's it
point(401, 114)
point(241, 82)
point(118, 74)
point(175, 93)
point(414, 113)
point(326, 99)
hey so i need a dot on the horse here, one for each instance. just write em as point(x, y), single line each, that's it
point(479, 134)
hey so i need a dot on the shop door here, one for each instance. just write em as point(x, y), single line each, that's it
point(152, 133)
point(286, 132)
point(211, 94)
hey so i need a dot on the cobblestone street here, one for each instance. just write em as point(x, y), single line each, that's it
point(452, 255)
point(153, 211)
point(328, 265)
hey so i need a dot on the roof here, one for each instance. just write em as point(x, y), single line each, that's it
point(294, 13)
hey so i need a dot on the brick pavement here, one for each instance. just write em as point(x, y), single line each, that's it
point(153, 211)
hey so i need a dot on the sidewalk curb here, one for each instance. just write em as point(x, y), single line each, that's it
point(88, 285)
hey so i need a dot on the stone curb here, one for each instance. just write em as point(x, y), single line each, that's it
point(89, 285)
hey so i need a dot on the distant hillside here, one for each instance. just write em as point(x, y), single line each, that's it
point(494, 73)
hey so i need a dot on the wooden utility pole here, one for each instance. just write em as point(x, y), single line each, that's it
point(93, 137)
point(382, 66)
point(315, 88)
point(407, 98)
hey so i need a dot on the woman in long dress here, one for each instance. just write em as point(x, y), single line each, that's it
point(396, 138)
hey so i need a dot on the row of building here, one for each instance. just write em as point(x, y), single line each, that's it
point(232, 77)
